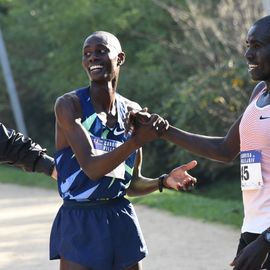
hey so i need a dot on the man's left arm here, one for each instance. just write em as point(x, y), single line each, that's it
point(177, 179)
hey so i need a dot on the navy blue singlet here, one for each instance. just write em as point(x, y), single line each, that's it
point(73, 183)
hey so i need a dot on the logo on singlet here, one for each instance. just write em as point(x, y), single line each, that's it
point(264, 117)
point(116, 132)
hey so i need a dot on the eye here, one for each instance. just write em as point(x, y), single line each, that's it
point(256, 45)
point(87, 54)
point(103, 51)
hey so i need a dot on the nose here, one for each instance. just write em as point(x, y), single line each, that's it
point(249, 54)
point(90, 57)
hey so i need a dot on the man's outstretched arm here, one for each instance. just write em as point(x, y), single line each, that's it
point(21, 151)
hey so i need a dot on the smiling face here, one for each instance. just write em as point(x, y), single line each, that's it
point(258, 50)
point(102, 56)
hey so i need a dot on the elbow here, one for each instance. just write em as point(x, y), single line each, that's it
point(227, 157)
point(131, 190)
point(224, 152)
point(91, 173)
point(226, 160)
point(131, 193)
point(92, 168)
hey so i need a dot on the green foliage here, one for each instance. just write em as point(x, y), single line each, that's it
point(9, 174)
point(180, 62)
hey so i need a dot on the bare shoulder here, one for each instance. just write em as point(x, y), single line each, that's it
point(67, 101)
point(67, 98)
point(257, 89)
point(68, 104)
point(131, 105)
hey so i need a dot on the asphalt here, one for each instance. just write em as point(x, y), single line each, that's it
point(173, 242)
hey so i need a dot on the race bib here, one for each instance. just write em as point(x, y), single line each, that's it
point(102, 146)
point(251, 171)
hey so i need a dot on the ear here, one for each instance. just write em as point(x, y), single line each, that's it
point(121, 59)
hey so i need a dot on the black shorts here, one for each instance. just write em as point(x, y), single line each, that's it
point(245, 239)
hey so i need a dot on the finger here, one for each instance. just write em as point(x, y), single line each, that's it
point(143, 117)
point(160, 125)
point(186, 182)
point(145, 109)
point(179, 187)
point(189, 165)
point(193, 180)
point(233, 262)
point(161, 130)
point(154, 118)
point(189, 183)
point(159, 120)
point(133, 112)
point(167, 124)
point(156, 123)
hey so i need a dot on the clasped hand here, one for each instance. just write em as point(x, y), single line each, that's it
point(144, 126)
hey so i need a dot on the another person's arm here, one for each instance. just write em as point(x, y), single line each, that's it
point(21, 151)
point(223, 149)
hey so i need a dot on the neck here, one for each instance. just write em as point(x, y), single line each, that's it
point(103, 97)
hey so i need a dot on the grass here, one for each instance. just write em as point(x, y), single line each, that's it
point(196, 206)
point(217, 202)
point(13, 175)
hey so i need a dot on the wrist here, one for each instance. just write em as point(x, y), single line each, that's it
point(161, 180)
point(135, 142)
point(44, 164)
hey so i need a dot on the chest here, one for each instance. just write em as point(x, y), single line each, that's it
point(254, 128)
point(108, 120)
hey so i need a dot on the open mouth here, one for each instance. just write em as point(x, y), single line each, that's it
point(95, 68)
point(252, 67)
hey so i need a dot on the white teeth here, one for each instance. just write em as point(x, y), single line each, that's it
point(95, 67)
point(252, 66)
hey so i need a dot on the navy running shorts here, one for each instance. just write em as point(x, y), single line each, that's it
point(103, 235)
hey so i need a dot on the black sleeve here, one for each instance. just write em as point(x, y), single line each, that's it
point(23, 152)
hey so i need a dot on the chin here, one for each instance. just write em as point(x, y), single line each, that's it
point(257, 77)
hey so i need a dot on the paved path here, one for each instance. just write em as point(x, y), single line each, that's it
point(174, 243)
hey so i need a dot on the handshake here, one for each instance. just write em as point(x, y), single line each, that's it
point(142, 119)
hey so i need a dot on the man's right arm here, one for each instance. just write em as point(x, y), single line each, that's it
point(21, 151)
point(70, 132)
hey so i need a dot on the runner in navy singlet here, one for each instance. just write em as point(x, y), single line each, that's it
point(98, 162)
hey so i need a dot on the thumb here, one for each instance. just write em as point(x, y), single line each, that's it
point(189, 166)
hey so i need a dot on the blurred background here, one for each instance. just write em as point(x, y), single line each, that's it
point(184, 61)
